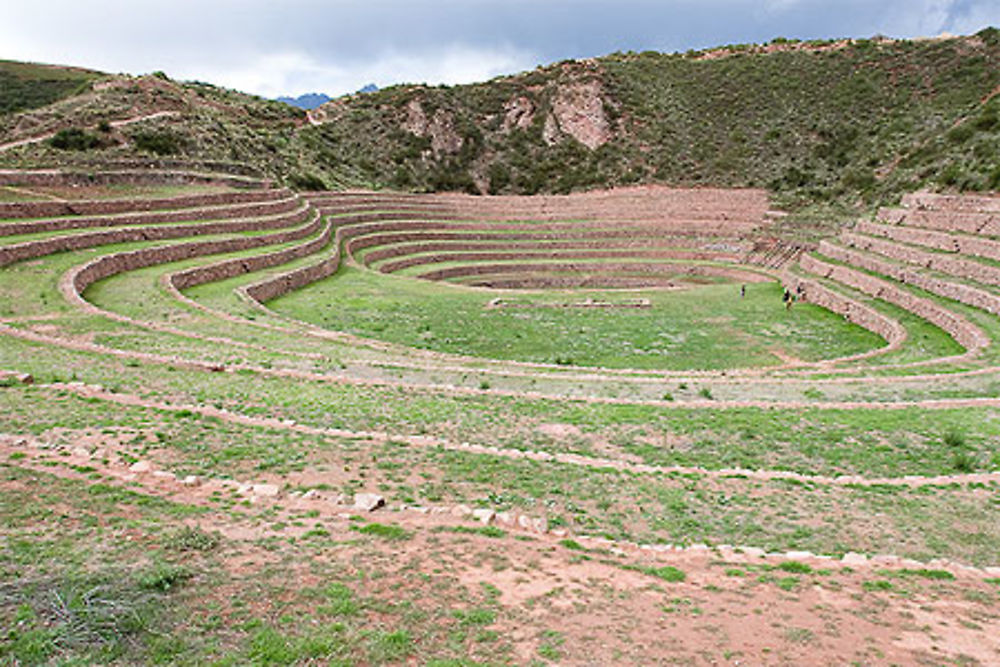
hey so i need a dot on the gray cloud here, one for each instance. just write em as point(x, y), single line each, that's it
point(336, 46)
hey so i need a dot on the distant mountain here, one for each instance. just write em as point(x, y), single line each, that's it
point(307, 101)
point(370, 88)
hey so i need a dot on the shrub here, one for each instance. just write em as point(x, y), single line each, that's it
point(193, 539)
point(961, 134)
point(954, 439)
point(160, 142)
point(306, 181)
point(74, 139)
point(963, 462)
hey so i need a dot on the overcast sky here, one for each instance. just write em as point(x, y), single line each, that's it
point(272, 47)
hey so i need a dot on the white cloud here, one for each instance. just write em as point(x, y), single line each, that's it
point(919, 18)
point(970, 20)
point(294, 73)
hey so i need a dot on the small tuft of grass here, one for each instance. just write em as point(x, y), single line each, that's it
point(666, 573)
point(926, 573)
point(877, 585)
point(192, 538)
point(954, 439)
point(385, 531)
point(963, 462)
point(795, 567)
point(485, 531)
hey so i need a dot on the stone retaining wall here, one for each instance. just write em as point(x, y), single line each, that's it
point(936, 202)
point(56, 178)
point(969, 336)
point(32, 249)
point(636, 245)
point(733, 212)
point(438, 258)
point(243, 265)
point(955, 266)
point(968, 222)
point(864, 316)
point(634, 268)
point(53, 209)
point(958, 243)
point(556, 281)
point(225, 212)
point(966, 294)
point(110, 265)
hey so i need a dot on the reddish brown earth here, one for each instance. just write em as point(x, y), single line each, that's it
point(732, 607)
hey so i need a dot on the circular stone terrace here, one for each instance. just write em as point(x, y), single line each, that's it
point(613, 374)
point(690, 285)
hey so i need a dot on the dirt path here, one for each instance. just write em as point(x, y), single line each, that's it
point(96, 453)
point(912, 481)
point(115, 123)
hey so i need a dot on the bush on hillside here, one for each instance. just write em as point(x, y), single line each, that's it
point(74, 139)
point(306, 181)
point(160, 142)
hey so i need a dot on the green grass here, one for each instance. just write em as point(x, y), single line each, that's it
point(702, 328)
point(29, 86)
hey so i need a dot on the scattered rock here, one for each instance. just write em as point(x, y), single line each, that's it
point(368, 502)
point(461, 510)
point(141, 466)
point(483, 516)
point(163, 474)
point(190, 480)
point(80, 452)
point(266, 490)
point(852, 558)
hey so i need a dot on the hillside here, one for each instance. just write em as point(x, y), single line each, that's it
point(126, 120)
point(822, 119)
point(850, 121)
point(29, 85)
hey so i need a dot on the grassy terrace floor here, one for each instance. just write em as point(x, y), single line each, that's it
point(707, 327)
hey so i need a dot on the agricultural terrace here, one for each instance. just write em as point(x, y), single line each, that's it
point(243, 423)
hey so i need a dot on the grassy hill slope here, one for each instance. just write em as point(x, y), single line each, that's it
point(821, 120)
point(848, 121)
point(30, 86)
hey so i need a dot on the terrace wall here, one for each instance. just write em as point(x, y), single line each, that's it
point(225, 212)
point(52, 209)
point(966, 294)
point(32, 249)
point(969, 336)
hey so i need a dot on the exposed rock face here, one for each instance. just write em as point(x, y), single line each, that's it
point(550, 133)
point(578, 110)
point(440, 128)
point(518, 114)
